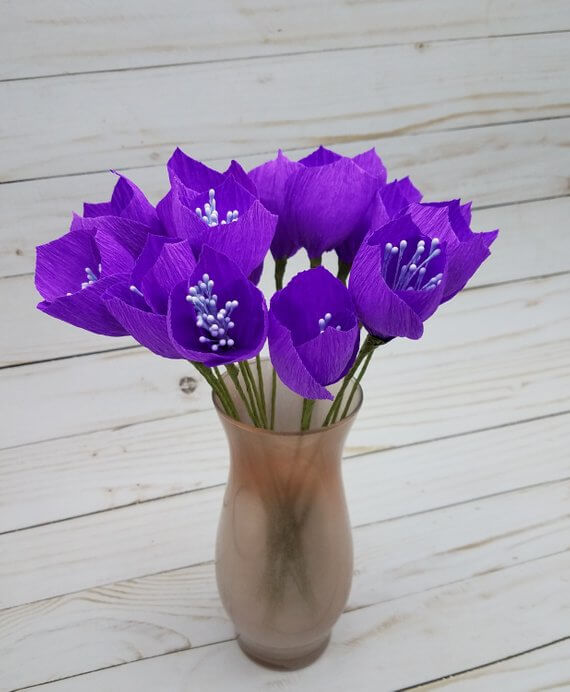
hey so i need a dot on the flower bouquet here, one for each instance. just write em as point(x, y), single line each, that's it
point(182, 279)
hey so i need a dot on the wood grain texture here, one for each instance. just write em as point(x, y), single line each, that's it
point(67, 36)
point(515, 609)
point(179, 609)
point(30, 335)
point(173, 532)
point(499, 164)
point(112, 464)
point(162, 613)
point(546, 668)
point(96, 121)
point(62, 478)
point(519, 370)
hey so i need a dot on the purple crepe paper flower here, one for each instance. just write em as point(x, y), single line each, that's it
point(271, 179)
point(388, 202)
point(321, 199)
point(407, 268)
point(140, 305)
point(127, 221)
point(75, 271)
point(217, 315)
point(72, 274)
point(226, 214)
point(313, 333)
point(198, 177)
point(466, 250)
point(127, 202)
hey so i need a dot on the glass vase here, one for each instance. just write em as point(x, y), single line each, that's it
point(284, 557)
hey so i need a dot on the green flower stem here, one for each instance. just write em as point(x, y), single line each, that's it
point(250, 394)
point(308, 405)
point(359, 377)
point(226, 392)
point(261, 386)
point(370, 344)
point(211, 379)
point(233, 372)
point(343, 271)
point(316, 261)
point(280, 265)
point(273, 398)
point(253, 391)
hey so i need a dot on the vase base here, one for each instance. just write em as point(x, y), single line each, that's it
point(283, 659)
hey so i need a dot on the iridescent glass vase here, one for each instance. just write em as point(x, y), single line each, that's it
point(284, 557)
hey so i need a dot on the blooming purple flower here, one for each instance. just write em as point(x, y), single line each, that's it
point(388, 201)
point(271, 179)
point(73, 273)
point(140, 304)
point(313, 333)
point(127, 202)
point(198, 177)
point(321, 199)
point(466, 250)
point(125, 267)
point(217, 315)
point(225, 214)
point(407, 268)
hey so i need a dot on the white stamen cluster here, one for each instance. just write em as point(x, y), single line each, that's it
point(91, 278)
point(324, 323)
point(216, 323)
point(410, 275)
point(210, 215)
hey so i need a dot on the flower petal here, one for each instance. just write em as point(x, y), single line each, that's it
point(372, 164)
point(330, 355)
point(129, 202)
point(61, 263)
point(464, 261)
point(174, 263)
point(288, 364)
point(196, 176)
point(191, 172)
point(398, 194)
point(120, 242)
point(148, 328)
point(271, 178)
point(86, 309)
point(324, 204)
point(256, 274)
point(433, 221)
point(236, 171)
point(320, 157)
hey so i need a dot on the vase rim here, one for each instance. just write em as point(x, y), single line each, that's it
point(290, 433)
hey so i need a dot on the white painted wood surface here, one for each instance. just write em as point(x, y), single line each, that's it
point(457, 473)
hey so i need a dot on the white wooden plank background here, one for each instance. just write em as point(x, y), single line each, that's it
point(457, 472)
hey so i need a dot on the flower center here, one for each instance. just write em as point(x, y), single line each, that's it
point(216, 323)
point(210, 215)
point(91, 278)
point(411, 275)
point(324, 323)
